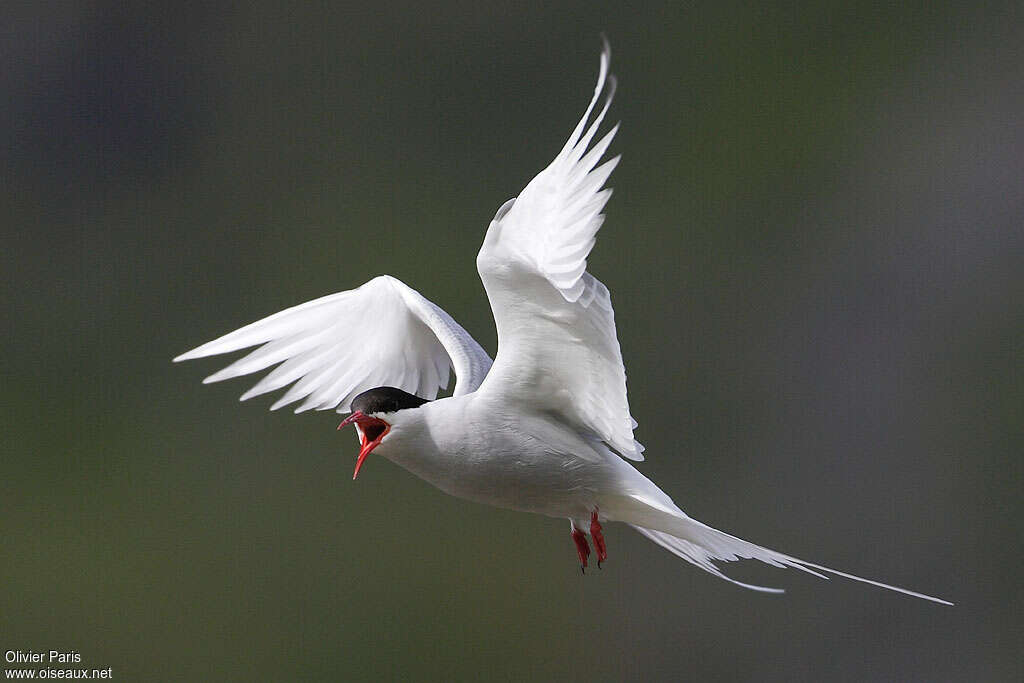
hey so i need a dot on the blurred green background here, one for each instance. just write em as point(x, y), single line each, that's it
point(815, 249)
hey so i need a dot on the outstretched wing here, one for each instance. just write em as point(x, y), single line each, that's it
point(557, 346)
point(381, 334)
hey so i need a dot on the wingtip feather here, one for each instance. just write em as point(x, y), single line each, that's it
point(198, 352)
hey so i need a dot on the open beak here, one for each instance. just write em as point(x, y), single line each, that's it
point(371, 431)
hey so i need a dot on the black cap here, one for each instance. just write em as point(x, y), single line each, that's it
point(385, 400)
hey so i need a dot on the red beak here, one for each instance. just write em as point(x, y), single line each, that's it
point(371, 433)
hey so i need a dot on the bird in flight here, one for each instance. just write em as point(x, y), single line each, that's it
point(545, 427)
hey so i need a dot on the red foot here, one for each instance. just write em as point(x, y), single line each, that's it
point(595, 533)
point(582, 547)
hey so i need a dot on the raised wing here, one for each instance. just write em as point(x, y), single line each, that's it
point(381, 334)
point(557, 347)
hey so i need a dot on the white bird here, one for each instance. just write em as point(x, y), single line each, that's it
point(546, 427)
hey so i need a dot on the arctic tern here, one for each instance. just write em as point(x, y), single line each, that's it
point(546, 426)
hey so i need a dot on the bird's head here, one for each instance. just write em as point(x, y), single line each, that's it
point(375, 413)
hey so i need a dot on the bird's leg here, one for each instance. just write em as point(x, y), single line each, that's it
point(582, 547)
point(595, 533)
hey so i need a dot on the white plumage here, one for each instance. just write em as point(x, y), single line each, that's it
point(541, 429)
point(381, 334)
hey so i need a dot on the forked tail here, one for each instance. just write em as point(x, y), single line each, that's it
point(701, 545)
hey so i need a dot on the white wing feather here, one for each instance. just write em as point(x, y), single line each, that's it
point(382, 334)
point(557, 346)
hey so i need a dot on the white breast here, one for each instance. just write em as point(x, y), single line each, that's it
point(476, 448)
